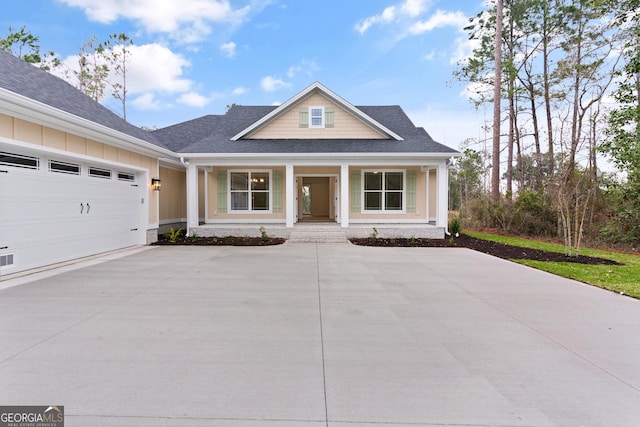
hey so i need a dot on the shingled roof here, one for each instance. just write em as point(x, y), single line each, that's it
point(28, 80)
point(212, 134)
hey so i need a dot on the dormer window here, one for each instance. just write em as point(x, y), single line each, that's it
point(317, 117)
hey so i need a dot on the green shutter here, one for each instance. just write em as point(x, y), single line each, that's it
point(277, 191)
point(222, 191)
point(304, 117)
point(328, 117)
point(356, 195)
point(411, 191)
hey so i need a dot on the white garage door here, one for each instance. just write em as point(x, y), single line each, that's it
point(54, 209)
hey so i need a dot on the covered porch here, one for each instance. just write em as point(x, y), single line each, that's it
point(294, 188)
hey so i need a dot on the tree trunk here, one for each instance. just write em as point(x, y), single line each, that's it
point(497, 83)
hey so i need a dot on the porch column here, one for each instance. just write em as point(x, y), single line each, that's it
point(442, 205)
point(192, 197)
point(290, 183)
point(344, 196)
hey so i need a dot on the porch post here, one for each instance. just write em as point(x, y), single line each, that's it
point(290, 183)
point(442, 206)
point(344, 196)
point(192, 197)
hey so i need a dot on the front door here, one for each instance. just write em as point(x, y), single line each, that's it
point(315, 196)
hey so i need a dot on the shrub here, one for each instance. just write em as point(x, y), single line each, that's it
point(174, 235)
point(455, 227)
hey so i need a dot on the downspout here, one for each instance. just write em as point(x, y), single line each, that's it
point(449, 164)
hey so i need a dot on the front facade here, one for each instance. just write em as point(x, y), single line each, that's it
point(76, 180)
point(315, 158)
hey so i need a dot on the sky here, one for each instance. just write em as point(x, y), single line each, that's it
point(194, 57)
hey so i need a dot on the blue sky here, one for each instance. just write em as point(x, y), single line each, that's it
point(194, 57)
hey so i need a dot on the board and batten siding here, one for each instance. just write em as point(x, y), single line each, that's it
point(33, 133)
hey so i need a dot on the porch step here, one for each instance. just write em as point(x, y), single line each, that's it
point(317, 233)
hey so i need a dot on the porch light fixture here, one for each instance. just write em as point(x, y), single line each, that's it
point(155, 184)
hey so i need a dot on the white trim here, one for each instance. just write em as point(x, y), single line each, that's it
point(389, 221)
point(205, 159)
point(246, 221)
point(329, 94)
point(291, 191)
point(250, 211)
point(345, 206)
point(384, 211)
point(321, 125)
point(24, 108)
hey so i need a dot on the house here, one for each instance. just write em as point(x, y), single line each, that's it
point(77, 180)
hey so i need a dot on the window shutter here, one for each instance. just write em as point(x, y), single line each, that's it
point(222, 191)
point(411, 191)
point(328, 117)
point(277, 191)
point(355, 190)
point(304, 117)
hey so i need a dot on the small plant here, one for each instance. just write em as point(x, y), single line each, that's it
point(174, 235)
point(413, 240)
point(214, 239)
point(392, 241)
point(374, 235)
point(194, 236)
point(263, 234)
point(454, 227)
point(245, 238)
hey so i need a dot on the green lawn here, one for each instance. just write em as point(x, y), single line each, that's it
point(624, 278)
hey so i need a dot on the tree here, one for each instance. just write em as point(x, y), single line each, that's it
point(118, 55)
point(22, 44)
point(93, 71)
point(623, 133)
point(497, 80)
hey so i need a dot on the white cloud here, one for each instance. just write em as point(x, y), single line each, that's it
point(394, 13)
point(440, 19)
point(154, 67)
point(240, 90)
point(189, 19)
point(193, 99)
point(271, 84)
point(308, 68)
point(147, 101)
point(229, 49)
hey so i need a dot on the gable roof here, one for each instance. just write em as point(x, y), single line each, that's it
point(213, 135)
point(317, 87)
point(28, 81)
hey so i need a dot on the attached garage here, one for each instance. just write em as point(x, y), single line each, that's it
point(55, 206)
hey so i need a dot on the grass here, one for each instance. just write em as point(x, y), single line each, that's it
point(618, 278)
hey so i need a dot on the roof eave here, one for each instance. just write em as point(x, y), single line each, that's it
point(25, 108)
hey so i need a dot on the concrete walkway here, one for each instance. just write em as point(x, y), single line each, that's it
point(319, 335)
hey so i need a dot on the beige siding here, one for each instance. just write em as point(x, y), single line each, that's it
point(317, 170)
point(173, 195)
point(287, 125)
point(213, 199)
point(421, 199)
point(21, 130)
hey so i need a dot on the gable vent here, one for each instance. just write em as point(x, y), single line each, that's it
point(6, 260)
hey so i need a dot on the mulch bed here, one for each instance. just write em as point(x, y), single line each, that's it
point(219, 241)
point(499, 250)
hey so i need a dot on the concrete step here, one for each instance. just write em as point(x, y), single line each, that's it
point(317, 234)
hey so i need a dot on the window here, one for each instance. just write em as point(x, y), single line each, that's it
point(317, 117)
point(99, 173)
point(19, 161)
point(123, 176)
point(250, 191)
point(62, 167)
point(383, 191)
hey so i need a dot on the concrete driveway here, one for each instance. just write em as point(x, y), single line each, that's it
point(318, 335)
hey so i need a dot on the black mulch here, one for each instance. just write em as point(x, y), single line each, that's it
point(499, 250)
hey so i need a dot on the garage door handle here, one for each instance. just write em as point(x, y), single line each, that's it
point(88, 207)
point(81, 207)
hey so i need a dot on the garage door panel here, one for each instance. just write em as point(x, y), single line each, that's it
point(48, 217)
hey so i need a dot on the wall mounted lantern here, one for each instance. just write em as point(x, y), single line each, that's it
point(155, 184)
